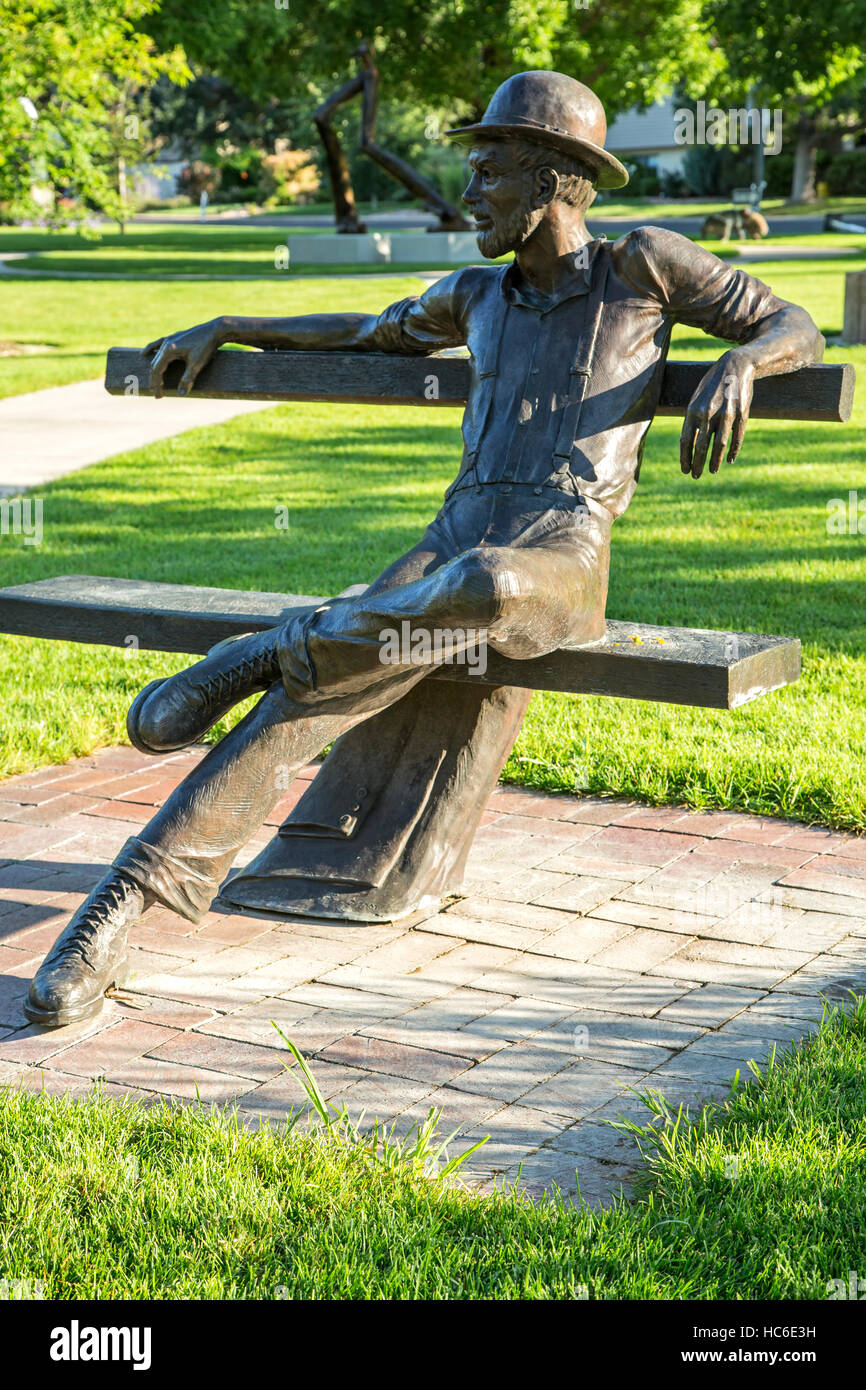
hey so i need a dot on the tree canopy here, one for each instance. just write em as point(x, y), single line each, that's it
point(447, 54)
point(75, 74)
point(805, 57)
point(69, 76)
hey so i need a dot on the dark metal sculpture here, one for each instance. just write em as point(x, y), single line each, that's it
point(366, 85)
point(736, 222)
point(568, 347)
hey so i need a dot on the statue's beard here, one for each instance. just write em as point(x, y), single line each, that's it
point(508, 233)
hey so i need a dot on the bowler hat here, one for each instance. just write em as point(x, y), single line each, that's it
point(551, 109)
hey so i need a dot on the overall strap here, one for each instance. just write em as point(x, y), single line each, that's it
point(581, 369)
point(464, 478)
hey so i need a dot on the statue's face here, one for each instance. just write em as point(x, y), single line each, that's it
point(502, 198)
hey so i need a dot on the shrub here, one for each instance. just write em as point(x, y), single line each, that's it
point(673, 185)
point(643, 179)
point(845, 173)
point(778, 172)
point(241, 174)
point(197, 178)
point(289, 176)
point(710, 170)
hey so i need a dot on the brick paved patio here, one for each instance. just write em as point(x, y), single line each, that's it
point(599, 945)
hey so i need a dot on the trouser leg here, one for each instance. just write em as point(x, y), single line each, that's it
point(183, 854)
point(185, 851)
point(523, 602)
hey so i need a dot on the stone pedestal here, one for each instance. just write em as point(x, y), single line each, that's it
point(854, 323)
point(384, 248)
point(434, 248)
point(333, 248)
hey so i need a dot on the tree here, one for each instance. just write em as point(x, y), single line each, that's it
point(805, 58)
point(73, 83)
point(444, 55)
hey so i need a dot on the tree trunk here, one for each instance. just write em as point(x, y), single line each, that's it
point(121, 193)
point(803, 181)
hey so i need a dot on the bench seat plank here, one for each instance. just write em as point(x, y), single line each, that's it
point(813, 393)
point(716, 670)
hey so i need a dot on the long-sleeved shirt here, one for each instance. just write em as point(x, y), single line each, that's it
point(525, 351)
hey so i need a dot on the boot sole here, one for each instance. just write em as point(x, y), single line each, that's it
point(61, 1018)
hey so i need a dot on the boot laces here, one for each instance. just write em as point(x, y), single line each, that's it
point(233, 683)
point(109, 898)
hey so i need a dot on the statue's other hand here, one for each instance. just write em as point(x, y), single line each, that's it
point(718, 411)
point(194, 348)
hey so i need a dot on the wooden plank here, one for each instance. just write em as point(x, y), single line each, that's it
point(140, 614)
point(718, 670)
point(821, 392)
point(854, 318)
point(813, 393)
point(376, 378)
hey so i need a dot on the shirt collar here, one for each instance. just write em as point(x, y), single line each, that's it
point(578, 282)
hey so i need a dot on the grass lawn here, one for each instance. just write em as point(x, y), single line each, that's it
point(111, 1200)
point(322, 208)
point(612, 206)
point(747, 550)
point(153, 252)
point(73, 323)
point(141, 263)
point(150, 251)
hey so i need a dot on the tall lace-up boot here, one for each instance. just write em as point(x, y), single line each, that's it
point(176, 711)
point(89, 956)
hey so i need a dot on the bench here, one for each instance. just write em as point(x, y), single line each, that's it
point(680, 666)
point(749, 197)
point(442, 379)
point(719, 670)
point(458, 725)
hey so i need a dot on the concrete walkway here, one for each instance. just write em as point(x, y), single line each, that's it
point(49, 433)
point(599, 946)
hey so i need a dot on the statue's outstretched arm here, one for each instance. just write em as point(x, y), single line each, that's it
point(312, 332)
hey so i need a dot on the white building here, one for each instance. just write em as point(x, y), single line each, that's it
point(648, 135)
point(158, 178)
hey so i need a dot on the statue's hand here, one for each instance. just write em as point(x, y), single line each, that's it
point(720, 408)
point(194, 348)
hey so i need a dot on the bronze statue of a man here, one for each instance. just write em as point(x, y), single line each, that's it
point(568, 345)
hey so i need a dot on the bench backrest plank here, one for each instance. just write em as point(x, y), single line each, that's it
point(813, 393)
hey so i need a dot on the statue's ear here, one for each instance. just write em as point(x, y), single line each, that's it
point(546, 186)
